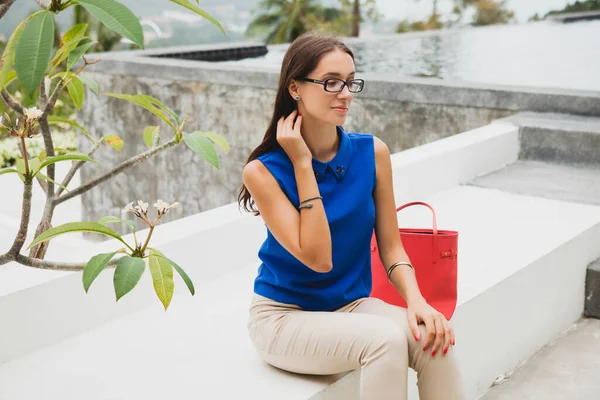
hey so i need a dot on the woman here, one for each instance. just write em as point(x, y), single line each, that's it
point(321, 192)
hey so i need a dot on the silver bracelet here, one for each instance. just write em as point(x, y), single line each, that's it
point(307, 205)
point(389, 272)
point(311, 198)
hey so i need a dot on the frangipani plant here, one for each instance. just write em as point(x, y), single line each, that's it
point(31, 64)
point(131, 266)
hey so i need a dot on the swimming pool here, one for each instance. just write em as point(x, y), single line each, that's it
point(542, 54)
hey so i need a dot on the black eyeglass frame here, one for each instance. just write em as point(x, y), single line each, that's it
point(344, 84)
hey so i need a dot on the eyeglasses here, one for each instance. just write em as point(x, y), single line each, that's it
point(334, 85)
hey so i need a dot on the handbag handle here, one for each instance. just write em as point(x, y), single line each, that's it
point(420, 203)
point(434, 249)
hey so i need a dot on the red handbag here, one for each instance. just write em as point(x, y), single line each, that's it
point(434, 255)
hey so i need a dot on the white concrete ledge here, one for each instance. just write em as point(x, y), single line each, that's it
point(198, 243)
point(78, 345)
point(32, 301)
point(440, 165)
point(508, 275)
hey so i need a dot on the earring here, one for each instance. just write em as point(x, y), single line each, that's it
point(297, 97)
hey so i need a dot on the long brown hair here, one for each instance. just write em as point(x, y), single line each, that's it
point(301, 58)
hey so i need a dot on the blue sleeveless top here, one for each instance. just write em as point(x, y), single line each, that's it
point(346, 184)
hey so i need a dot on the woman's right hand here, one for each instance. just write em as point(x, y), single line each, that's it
point(291, 140)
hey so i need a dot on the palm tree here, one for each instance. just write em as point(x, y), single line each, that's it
point(285, 20)
point(356, 17)
point(359, 9)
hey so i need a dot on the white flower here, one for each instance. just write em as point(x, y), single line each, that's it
point(164, 207)
point(33, 113)
point(129, 208)
point(142, 207)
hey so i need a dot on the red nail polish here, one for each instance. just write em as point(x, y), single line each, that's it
point(416, 338)
point(445, 351)
point(454, 343)
point(433, 354)
point(299, 115)
point(425, 348)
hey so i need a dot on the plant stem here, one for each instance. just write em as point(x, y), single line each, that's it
point(25, 156)
point(135, 241)
point(55, 266)
point(133, 161)
point(22, 233)
point(47, 108)
point(76, 165)
point(45, 222)
point(147, 240)
point(12, 103)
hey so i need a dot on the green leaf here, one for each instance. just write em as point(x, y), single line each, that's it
point(113, 220)
point(76, 227)
point(34, 164)
point(66, 157)
point(216, 139)
point(158, 103)
point(7, 62)
point(76, 91)
point(142, 101)
point(20, 164)
point(62, 53)
point(199, 11)
point(181, 272)
point(46, 178)
point(77, 30)
point(76, 54)
point(55, 119)
point(8, 78)
point(116, 17)
point(127, 274)
point(9, 171)
point(201, 145)
point(89, 82)
point(149, 134)
point(162, 277)
point(34, 50)
point(93, 268)
point(114, 141)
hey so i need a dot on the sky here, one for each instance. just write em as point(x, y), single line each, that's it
point(419, 9)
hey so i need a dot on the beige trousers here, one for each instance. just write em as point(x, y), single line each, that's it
point(368, 334)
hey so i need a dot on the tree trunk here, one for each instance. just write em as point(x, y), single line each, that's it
point(356, 19)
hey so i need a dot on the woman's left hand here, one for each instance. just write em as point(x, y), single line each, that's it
point(439, 331)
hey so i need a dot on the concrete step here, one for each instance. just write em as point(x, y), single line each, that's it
point(567, 368)
point(562, 182)
point(536, 178)
point(558, 138)
point(592, 290)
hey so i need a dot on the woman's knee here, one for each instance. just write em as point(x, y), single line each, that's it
point(389, 341)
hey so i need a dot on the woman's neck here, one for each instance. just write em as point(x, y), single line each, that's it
point(322, 139)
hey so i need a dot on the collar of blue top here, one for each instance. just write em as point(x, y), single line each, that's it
point(339, 164)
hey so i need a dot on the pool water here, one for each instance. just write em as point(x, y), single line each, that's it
point(542, 54)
